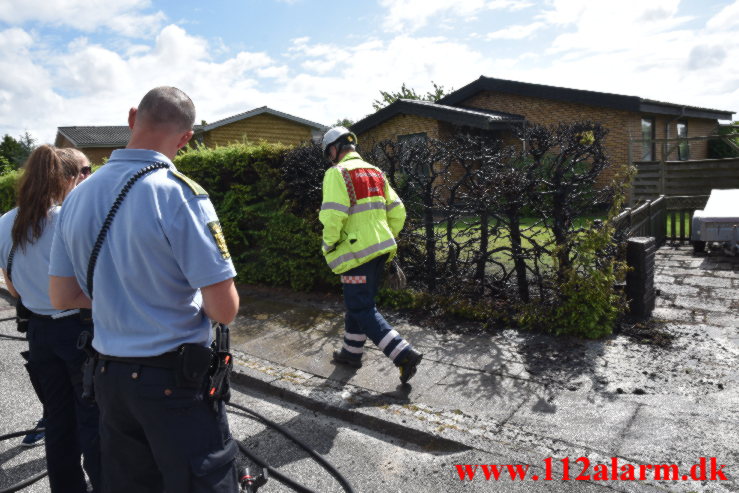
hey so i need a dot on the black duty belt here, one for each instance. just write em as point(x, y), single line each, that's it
point(166, 360)
point(56, 316)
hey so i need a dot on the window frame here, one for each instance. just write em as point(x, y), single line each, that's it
point(648, 147)
point(683, 146)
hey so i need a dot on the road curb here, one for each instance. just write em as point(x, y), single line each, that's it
point(273, 383)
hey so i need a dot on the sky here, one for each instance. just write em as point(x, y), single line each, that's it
point(86, 62)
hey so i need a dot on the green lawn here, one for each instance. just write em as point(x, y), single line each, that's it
point(686, 224)
point(531, 229)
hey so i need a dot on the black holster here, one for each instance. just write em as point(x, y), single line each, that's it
point(193, 363)
point(84, 342)
point(22, 315)
point(219, 383)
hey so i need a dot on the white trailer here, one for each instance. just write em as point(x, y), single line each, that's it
point(718, 222)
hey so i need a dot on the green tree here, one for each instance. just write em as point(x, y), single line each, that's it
point(17, 150)
point(728, 146)
point(5, 165)
point(343, 122)
point(410, 93)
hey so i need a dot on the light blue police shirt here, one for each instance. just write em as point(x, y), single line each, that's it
point(158, 252)
point(30, 265)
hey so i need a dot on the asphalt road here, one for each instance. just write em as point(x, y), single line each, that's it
point(371, 461)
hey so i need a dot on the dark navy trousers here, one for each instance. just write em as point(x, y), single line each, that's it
point(362, 320)
point(71, 423)
point(156, 436)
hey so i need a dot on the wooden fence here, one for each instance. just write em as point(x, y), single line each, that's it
point(682, 178)
point(667, 218)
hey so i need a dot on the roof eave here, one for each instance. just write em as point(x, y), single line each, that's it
point(664, 109)
point(259, 111)
point(579, 96)
point(70, 139)
point(98, 144)
point(436, 112)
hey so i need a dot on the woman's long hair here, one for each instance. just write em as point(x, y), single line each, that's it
point(45, 182)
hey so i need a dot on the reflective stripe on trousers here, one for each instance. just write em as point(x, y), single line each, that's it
point(362, 320)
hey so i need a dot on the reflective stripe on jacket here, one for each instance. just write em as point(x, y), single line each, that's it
point(361, 214)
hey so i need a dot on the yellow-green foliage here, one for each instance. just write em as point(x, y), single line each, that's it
point(587, 303)
point(8, 183)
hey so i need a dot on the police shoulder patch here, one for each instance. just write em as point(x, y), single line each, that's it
point(217, 232)
point(192, 184)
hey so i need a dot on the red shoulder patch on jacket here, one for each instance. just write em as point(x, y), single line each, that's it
point(368, 182)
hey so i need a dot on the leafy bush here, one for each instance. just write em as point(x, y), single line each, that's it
point(718, 148)
point(8, 182)
point(270, 225)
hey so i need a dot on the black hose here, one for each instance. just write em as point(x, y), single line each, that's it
point(7, 319)
point(25, 483)
point(286, 480)
point(323, 462)
point(13, 338)
point(18, 434)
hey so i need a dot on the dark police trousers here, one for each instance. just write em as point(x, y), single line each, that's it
point(362, 320)
point(71, 423)
point(158, 437)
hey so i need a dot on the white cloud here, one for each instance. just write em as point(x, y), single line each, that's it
point(726, 19)
point(604, 27)
point(350, 87)
point(411, 15)
point(83, 83)
point(87, 84)
point(125, 17)
point(26, 94)
point(516, 32)
point(705, 57)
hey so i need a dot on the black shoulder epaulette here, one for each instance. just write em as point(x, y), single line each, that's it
point(194, 186)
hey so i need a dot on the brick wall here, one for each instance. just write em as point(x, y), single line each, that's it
point(546, 112)
point(399, 125)
point(260, 127)
point(622, 125)
point(97, 154)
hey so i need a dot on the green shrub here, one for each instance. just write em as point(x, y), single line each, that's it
point(272, 239)
point(719, 149)
point(8, 183)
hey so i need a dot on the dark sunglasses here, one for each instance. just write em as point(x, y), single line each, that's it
point(85, 170)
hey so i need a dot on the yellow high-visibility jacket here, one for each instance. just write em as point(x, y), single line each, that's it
point(361, 214)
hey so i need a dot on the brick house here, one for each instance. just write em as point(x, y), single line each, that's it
point(260, 124)
point(98, 142)
point(496, 105)
point(95, 142)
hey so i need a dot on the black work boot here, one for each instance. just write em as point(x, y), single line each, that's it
point(408, 366)
point(343, 357)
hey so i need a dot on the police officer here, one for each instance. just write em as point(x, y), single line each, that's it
point(162, 274)
point(361, 216)
point(54, 361)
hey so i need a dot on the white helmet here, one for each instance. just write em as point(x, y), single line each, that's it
point(334, 134)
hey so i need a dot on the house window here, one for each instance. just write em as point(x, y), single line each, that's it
point(647, 137)
point(419, 137)
point(683, 146)
point(411, 141)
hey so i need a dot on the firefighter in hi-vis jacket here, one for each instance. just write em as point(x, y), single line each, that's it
point(361, 216)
